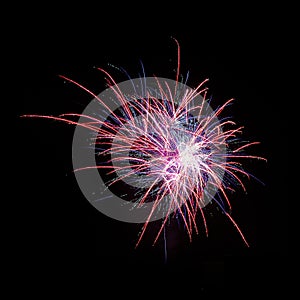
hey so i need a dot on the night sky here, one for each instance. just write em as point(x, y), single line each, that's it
point(62, 234)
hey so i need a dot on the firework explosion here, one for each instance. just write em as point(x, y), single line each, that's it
point(167, 147)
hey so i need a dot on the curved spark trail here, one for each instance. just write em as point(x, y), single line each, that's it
point(174, 154)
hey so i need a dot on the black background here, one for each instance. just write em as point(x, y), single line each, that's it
point(61, 236)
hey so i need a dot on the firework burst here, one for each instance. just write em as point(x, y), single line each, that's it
point(167, 146)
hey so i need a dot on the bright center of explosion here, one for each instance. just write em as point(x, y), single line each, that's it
point(187, 155)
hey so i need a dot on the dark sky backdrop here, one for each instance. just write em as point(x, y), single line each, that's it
point(61, 232)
